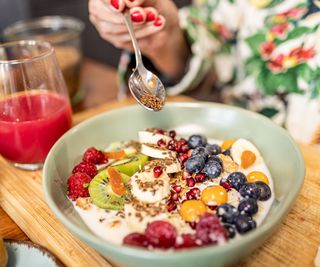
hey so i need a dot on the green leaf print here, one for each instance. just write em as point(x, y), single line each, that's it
point(271, 83)
point(274, 3)
point(255, 41)
point(254, 65)
point(268, 112)
point(298, 31)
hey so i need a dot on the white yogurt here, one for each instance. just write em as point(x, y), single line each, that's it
point(112, 226)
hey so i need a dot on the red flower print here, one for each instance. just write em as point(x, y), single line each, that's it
point(302, 54)
point(223, 31)
point(266, 49)
point(295, 13)
point(280, 30)
point(276, 65)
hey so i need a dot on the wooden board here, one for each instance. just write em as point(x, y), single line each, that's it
point(294, 244)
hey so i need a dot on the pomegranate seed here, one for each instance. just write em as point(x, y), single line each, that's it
point(182, 158)
point(195, 192)
point(190, 195)
point(159, 131)
point(161, 143)
point(172, 134)
point(225, 184)
point(186, 175)
point(200, 177)
point(171, 142)
point(184, 148)
point(182, 141)
point(193, 225)
point(175, 197)
point(171, 147)
point(177, 188)
point(177, 147)
point(191, 182)
point(157, 171)
point(171, 206)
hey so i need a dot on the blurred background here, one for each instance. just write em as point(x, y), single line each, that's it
point(93, 46)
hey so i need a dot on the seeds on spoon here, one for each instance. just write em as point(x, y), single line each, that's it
point(152, 102)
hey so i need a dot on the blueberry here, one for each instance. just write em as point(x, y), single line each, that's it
point(227, 213)
point(197, 140)
point(250, 190)
point(244, 223)
point(214, 158)
point(265, 191)
point(200, 151)
point(248, 206)
point(213, 149)
point(227, 152)
point(236, 180)
point(195, 164)
point(212, 169)
point(230, 229)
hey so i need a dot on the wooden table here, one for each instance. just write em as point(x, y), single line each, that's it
point(294, 244)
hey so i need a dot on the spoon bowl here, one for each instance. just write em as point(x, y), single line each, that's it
point(147, 89)
point(144, 85)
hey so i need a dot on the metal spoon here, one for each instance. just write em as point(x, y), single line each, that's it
point(145, 86)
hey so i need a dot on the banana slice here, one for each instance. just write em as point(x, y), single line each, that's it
point(168, 165)
point(146, 188)
point(242, 145)
point(157, 152)
point(139, 214)
point(152, 138)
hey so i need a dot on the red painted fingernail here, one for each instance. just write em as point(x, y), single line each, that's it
point(115, 4)
point(158, 22)
point(136, 16)
point(150, 16)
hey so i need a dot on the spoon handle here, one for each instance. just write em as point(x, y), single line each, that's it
point(133, 39)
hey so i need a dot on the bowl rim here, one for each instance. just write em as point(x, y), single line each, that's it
point(266, 227)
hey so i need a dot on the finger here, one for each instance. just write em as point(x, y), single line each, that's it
point(107, 27)
point(133, 3)
point(151, 14)
point(143, 32)
point(103, 11)
point(138, 15)
point(117, 5)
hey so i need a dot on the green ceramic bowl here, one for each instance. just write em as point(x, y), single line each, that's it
point(214, 120)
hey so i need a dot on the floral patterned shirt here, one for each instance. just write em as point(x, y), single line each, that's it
point(266, 53)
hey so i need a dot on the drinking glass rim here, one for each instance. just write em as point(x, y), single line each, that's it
point(48, 51)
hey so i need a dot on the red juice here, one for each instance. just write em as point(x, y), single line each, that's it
point(30, 123)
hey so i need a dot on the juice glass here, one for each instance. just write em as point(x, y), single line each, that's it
point(34, 103)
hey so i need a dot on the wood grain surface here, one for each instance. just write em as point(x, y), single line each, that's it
point(294, 244)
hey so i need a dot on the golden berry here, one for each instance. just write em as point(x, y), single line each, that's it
point(247, 158)
point(257, 176)
point(214, 195)
point(227, 144)
point(191, 210)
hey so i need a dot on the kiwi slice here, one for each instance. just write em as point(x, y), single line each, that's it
point(131, 164)
point(101, 193)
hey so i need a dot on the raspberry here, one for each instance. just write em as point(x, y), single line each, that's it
point(78, 185)
point(161, 234)
point(93, 155)
point(188, 241)
point(87, 168)
point(136, 239)
point(210, 231)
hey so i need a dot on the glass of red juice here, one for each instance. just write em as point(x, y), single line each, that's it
point(34, 103)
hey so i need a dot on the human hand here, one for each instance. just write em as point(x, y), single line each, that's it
point(156, 27)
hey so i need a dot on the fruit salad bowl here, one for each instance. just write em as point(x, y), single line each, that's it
point(217, 121)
